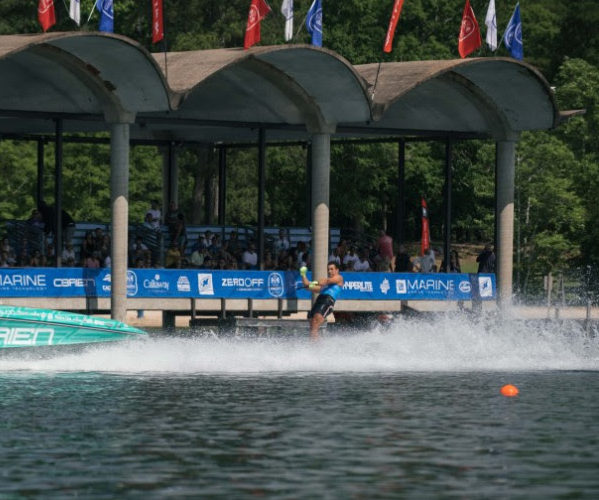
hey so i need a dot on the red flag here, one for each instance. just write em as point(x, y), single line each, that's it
point(469, 39)
point(425, 240)
point(258, 11)
point(157, 21)
point(45, 14)
point(392, 25)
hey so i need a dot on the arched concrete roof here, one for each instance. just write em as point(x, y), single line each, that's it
point(293, 90)
point(294, 85)
point(79, 73)
point(486, 95)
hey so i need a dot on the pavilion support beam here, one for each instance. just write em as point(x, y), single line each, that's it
point(448, 204)
point(39, 191)
point(321, 174)
point(173, 175)
point(58, 157)
point(401, 192)
point(261, 194)
point(119, 186)
point(222, 184)
point(506, 161)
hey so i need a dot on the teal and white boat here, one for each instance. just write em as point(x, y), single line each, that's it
point(22, 327)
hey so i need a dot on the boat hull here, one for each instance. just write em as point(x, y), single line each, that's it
point(24, 327)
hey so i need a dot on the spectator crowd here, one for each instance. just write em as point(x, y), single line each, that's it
point(210, 250)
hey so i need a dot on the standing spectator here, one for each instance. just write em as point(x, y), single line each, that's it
point(427, 261)
point(155, 215)
point(384, 246)
point(454, 263)
point(486, 260)
point(282, 242)
point(403, 262)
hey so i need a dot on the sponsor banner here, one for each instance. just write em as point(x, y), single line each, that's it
point(187, 283)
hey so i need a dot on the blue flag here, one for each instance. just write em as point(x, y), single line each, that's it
point(314, 23)
point(106, 15)
point(513, 35)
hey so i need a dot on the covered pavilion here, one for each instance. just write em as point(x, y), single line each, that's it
point(91, 82)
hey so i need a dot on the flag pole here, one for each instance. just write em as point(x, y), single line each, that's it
point(92, 12)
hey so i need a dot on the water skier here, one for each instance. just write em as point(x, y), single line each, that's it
point(328, 289)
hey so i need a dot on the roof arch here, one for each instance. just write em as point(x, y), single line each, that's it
point(290, 84)
point(485, 95)
point(79, 73)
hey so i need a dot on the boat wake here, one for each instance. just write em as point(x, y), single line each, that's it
point(445, 344)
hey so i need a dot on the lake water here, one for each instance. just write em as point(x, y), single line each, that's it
point(412, 411)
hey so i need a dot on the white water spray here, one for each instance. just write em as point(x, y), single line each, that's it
point(445, 344)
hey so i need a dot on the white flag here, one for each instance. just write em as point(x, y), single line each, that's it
point(75, 11)
point(287, 11)
point(491, 22)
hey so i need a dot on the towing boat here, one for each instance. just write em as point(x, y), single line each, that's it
point(22, 327)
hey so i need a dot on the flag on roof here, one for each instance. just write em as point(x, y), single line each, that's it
point(106, 10)
point(314, 22)
point(513, 35)
point(491, 22)
point(75, 11)
point(157, 21)
point(45, 14)
point(469, 39)
point(395, 13)
point(258, 11)
point(287, 11)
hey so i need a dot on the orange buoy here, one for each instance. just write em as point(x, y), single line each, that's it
point(509, 390)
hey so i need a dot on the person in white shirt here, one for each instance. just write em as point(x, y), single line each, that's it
point(282, 242)
point(362, 265)
point(155, 215)
point(250, 257)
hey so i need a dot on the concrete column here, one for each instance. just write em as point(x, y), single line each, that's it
point(506, 156)
point(321, 173)
point(119, 186)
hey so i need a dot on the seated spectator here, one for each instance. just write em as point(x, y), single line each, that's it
point(250, 257)
point(92, 261)
point(198, 257)
point(350, 257)
point(36, 259)
point(403, 262)
point(302, 254)
point(3, 261)
point(173, 257)
point(269, 262)
point(362, 265)
point(68, 255)
point(215, 245)
point(282, 242)
point(207, 240)
point(139, 250)
point(234, 245)
point(10, 254)
point(49, 259)
point(336, 256)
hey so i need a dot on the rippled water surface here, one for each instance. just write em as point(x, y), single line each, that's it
point(413, 411)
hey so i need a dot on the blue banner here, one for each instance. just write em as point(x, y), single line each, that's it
point(199, 283)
